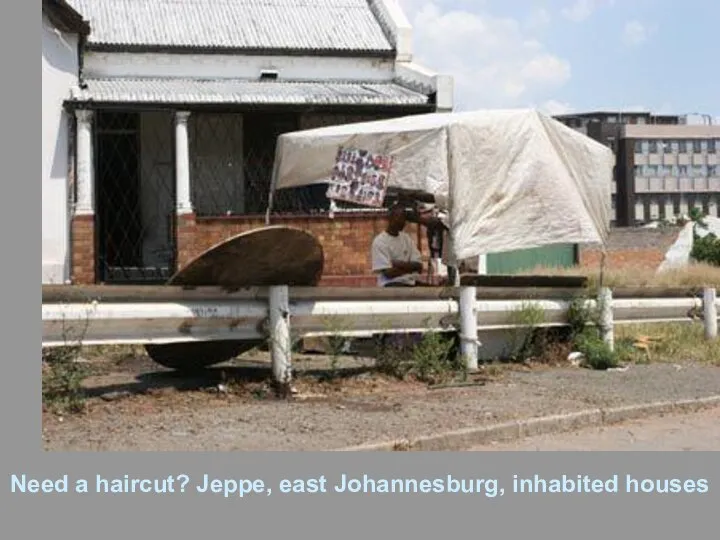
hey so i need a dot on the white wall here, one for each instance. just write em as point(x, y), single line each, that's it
point(308, 68)
point(110, 64)
point(59, 72)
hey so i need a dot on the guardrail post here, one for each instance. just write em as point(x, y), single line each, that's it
point(710, 313)
point(279, 330)
point(607, 324)
point(469, 327)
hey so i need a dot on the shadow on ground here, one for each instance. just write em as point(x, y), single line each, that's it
point(211, 377)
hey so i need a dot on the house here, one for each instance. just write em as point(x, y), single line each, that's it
point(63, 30)
point(175, 115)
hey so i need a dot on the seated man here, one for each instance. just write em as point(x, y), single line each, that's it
point(397, 261)
point(395, 257)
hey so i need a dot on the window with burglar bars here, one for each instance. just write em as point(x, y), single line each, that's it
point(232, 157)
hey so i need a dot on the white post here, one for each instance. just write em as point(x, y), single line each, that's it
point(85, 175)
point(710, 313)
point(607, 324)
point(469, 327)
point(280, 345)
point(182, 164)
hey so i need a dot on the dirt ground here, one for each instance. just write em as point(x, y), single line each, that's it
point(133, 404)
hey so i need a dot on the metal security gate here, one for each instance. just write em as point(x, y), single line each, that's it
point(135, 179)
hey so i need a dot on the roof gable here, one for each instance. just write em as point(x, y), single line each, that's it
point(64, 17)
point(311, 26)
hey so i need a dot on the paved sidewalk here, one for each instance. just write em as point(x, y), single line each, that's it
point(698, 431)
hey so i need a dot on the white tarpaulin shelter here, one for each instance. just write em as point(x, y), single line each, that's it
point(509, 179)
point(678, 255)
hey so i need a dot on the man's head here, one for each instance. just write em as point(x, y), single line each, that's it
point(396, 219)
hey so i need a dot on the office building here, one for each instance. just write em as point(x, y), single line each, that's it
point(665, 166)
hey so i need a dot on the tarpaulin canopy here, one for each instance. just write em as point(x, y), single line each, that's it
point(508, 179)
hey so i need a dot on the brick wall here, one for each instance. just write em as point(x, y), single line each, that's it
point(631, 248)
point(346, 241)
point(83, 250)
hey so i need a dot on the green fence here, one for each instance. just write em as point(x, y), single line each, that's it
point(513, 262)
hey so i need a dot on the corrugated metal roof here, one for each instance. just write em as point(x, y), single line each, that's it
point(244, 92)
point(331, 25)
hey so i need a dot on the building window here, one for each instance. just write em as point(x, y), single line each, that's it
point(711, 146)
point(653, 147)
point(675, 170)
point(682, 147)
point(666, 170)
point(697, 147)
point(699, 171)
point(639, 170)
point(638, 147)
point(652, 170)
point(667, 147)
point(683, 170)
point(712, 170)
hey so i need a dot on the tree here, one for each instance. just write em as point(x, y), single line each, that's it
point(706, 249)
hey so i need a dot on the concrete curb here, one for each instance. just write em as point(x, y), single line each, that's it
point(519, 429)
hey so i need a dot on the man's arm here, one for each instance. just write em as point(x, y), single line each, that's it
point(404, 267)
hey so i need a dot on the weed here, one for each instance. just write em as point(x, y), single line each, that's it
point(580, 315)
point(62, 374)
point(336, 343)
point(596, 353)
point(526, 341)
point(431, 357)
point(62, 379)
point(584, 324)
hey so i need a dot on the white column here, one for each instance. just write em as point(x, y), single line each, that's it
point(85, 174)
point(183, 199)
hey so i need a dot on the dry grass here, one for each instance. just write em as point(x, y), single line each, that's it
point(674, 343)
point(695, 275)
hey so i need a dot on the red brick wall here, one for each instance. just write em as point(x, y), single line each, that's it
point(83, 250)
point(631, 248)
point(346, 240)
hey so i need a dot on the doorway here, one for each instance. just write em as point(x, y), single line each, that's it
point(134, 175)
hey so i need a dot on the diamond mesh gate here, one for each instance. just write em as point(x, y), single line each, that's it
point(134, 175)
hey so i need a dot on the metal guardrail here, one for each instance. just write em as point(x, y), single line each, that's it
point(148, 314)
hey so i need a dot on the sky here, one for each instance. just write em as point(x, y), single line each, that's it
point(566, 56)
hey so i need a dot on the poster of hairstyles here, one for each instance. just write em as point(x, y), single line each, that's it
point(359, 177)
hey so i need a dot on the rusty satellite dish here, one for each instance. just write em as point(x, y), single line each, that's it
point(275, 255)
